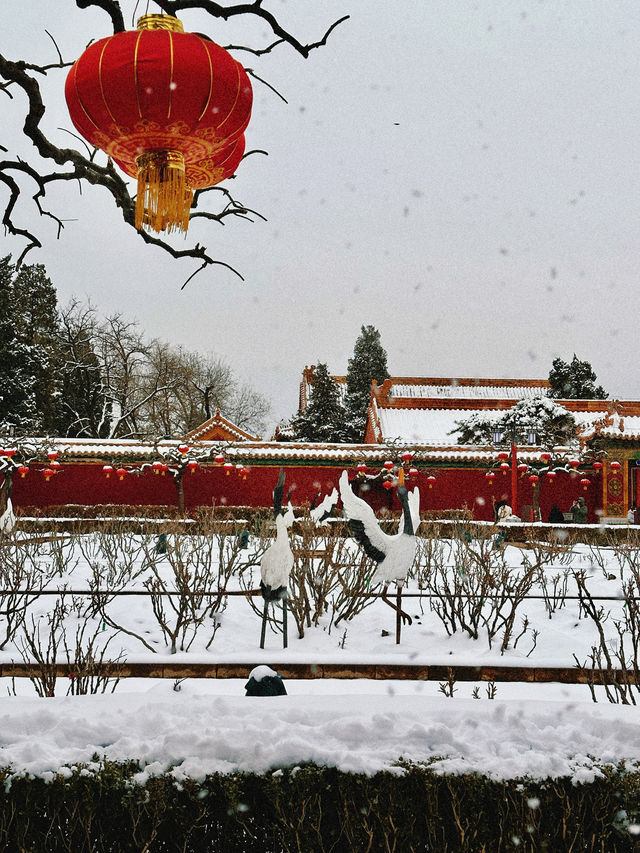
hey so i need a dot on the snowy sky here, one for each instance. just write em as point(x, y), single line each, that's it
point(461, 175)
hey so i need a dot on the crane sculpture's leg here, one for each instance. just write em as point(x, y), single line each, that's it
point(406, 619)
point(398, 613)
point(265, 613)
point(284, 622)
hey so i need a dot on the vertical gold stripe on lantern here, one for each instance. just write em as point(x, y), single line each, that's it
point(135, 74)
point(204, 47)
point(170, 73)
point(104, 100)
point(230, 113)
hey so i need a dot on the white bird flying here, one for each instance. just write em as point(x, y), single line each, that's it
point(394, 554)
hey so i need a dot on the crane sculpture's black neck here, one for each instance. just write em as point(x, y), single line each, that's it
point(403, 497)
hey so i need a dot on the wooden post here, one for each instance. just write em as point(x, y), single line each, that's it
point(514, 478)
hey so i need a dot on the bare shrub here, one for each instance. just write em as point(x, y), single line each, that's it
point(478, 589)
point(616, 660)
point(22, 581)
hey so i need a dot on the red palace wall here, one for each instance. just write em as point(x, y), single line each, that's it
point(85, 483)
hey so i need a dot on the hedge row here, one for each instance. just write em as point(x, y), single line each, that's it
point(315, 809)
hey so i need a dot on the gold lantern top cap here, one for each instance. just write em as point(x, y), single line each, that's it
point(160, 22)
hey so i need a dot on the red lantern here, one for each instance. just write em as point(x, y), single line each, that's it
point(11, 453)
point(156, 467)
point(228, 467)
point(122, 473)
point(219, 460)
point(163, 468)
point(546, 457)
point(23, 470)
point(243, 472)
point(387, 484)
point(361, 468)
point(431, 480)
point(597, 466)
point(585, 483)
point(522, 467)
point(48, 473)
point(552, 476)
point(490, 475)
point(388, 465)
point(51, 455)
point(183, 448)
point(504, 467)
point(192, 466)
point(575, 463)
point(169, 107)
point(406, 457)
point(615, 465)
point(413, 472)
point(503, 455)
point(533, 479)
point(107, 470)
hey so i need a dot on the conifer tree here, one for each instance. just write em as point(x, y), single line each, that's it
point(369, 362)
point(574, 381)
point(28, 330)
point(323, 419)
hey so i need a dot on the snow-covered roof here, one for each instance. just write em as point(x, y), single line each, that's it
point(430, 422)
point(470, 389)
point(272, 451)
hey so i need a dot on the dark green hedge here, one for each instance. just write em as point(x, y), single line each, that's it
point(312, 810)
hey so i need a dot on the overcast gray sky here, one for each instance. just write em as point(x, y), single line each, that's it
point(462, 174)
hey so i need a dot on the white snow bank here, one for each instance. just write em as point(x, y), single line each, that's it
point(195, 733)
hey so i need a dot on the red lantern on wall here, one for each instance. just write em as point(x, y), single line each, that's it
point(361, 467)
point(388, 465)
point(169, 107)
point(192, 466)
point(597, 466)
point(107, 470)
point(23, 470)
point(615, 465)
point(122, 473)
point(503, 455)
point(504, 467)
point(533, 479)
point(490, 475)
point(585, 483)
point(431, 480)
point(575, 463)
point(551, 476)
point(522, 467)
point(387, 484)
point(47, 473)
point(546, 457)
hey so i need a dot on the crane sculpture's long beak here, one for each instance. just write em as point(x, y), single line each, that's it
point(401, 476)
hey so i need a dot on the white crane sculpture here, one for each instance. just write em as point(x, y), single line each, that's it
point(323, 510)
point(394, 554)
point(277, 562)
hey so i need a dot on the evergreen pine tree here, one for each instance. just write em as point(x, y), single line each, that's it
point(17, 399)
point(36, 322)
point(28, 332)
point(323, 419)
point(574, 381)
point(369, 362)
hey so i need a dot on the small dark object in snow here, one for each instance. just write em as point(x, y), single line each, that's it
point(161, 544)
point(264, 681)
point(385, 633)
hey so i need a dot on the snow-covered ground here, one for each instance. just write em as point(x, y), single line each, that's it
point(207, 725)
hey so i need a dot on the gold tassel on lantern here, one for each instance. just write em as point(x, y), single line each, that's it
point(164, 198)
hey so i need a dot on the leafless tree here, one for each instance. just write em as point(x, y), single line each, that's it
point(54, 164)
